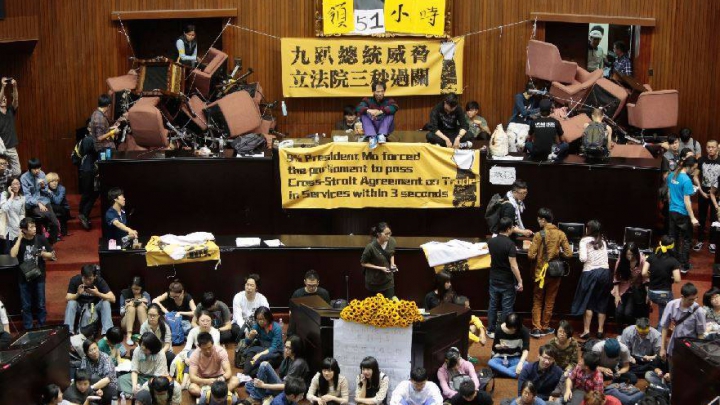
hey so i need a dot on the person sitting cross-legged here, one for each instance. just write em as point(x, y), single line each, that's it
point(91, 295)
point(544, 374)
point(417, 390)
point(468, 395)
point(643, 341)
point(208, 364)
point(218, 394)
point(510, 347)
point(268, 382)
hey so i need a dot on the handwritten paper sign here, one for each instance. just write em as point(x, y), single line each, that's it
point(392, 347)
point(502, 176)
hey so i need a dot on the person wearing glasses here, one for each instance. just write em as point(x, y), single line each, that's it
point(378, 262)
point(685, 316)
point(312, 287)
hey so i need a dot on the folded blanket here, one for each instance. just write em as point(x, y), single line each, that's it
point(438, 253)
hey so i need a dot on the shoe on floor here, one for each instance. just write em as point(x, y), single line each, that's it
point(600, 335)
point(585, 336)
point(129, 341)
point(536, 333)
point(548, 331)
point(711, 248)
point(491, 335)
point(84, 222)
point(698, 246)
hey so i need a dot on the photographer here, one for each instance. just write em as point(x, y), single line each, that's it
point(38, 196)
point(8, 133)
point(116, 219)
point(32, 250)
point(91, 294)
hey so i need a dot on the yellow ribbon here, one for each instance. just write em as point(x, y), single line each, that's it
point(540, 276)
point(664, 249)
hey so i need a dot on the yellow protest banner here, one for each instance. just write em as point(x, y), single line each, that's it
point(415, 17)
point(345, 68)
point(338, 17)
point(393, 175)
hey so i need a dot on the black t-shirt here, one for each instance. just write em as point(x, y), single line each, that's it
point(8, 134)
point(294, 368)
point(507, 210)
point(544, 130)
point(501, 249)
point(29, 249)
point(171, 306)
point(72, 394)
point(661, 269)
point(708, 171)
point(323, 293)
point(482, 398)
point(86, 297)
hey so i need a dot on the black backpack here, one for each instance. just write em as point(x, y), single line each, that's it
point(594, 141)
point(492, 212)
point(81, 150)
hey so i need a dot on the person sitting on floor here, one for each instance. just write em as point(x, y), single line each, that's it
point(268, 382)
point(218, 394)
point(711, 305)
point(58, 201)
point(244, 305)
point(417, 390)
point(443, 291)
point(614, 360)
point(599, 398)
point(528, 395)
point(101, 371)
point(221, 316)
point(112, 345)
point(133, 303)
point(371, 384)
point(178, 301)
point(349, 119)
point(544, 374)
point(79, 392)
point(510, 347)
point(208, 364)
point(328, 387)
point(159, 391)
point(448, 126)
point(91, 295)
point(477, 333)
point(148, 360)
point(545, 133)
point(468, 395)
point(454, 371)
point(156, 324)
point(37, 197)
point(377, 114)
point(292, 393)
point(629, 288)
point(477, 125)
point(566, 347)
point(643, 341)
point(264, 342)
point(585, 377)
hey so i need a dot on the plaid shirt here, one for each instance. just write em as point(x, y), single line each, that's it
point(99, 126)
point(586, 380)
point(622, 65)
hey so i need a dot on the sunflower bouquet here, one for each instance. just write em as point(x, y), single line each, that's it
point(381, 312)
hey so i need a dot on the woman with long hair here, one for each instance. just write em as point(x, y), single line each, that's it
point(629, 290)
point(133, 303)
point(371, 384)
point(12, 211)
point(328, 387)
point(264, 342)
point(443, 291)
point(662, 269)
point(155, 324)
point(378, 261)
point(593, 290)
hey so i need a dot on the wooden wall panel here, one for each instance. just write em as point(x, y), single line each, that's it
point(21, 21)
point(79, 47)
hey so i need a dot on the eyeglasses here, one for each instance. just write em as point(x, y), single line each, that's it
point(3, 164)
point(153, 316)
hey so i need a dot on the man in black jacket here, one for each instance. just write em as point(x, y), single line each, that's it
point(448, 126)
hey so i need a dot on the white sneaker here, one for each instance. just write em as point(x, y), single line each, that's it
point(711, 248)
point(381, 138)
point(129, 342)
point(466, 145)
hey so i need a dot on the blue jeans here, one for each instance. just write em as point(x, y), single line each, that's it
point(503, 293)
point(661, 298)
point(266, 374)
point(496, 364)
point(32, 299)
point(102, 308)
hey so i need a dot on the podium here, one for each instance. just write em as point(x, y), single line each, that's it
point(446, 326)
point(37, 358)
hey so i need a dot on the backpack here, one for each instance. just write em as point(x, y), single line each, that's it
point(594, 140)
point(492, 212)
point(249, 144)
point(81, 149)
point(485, 377)
point(177, 335)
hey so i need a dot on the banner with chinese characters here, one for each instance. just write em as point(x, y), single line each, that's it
point(346, 67)
point(393, 175)
point(390, 17)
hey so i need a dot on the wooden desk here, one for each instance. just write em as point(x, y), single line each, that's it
point(397, 136)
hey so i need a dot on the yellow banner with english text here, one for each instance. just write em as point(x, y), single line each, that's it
point(393, 175)
point(346, 67)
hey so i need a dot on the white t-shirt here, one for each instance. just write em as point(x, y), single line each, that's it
point(244, 309)
point(191, 341)
point(3, 315)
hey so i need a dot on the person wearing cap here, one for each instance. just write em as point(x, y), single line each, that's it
point(643, 341)
point(455, 367)
point(596, 55)
point(614, 360)
point(545, 133)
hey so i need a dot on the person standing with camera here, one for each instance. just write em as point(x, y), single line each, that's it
point(8, 133)
point(90, 294)
point(32, 250)
point(378, 262)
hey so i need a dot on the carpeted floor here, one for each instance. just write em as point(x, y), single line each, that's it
point(81, 247)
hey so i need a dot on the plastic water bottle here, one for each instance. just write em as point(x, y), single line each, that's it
point(505, 361)
point(114, 400)
point(284, 108)
point(317, 138)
